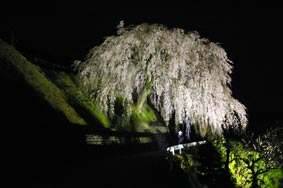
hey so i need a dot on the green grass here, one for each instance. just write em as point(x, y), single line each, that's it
point(147, 115)
point(84, 106)
point(33, 76)
point(147, 120)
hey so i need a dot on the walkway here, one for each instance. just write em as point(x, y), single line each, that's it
point(74, 165)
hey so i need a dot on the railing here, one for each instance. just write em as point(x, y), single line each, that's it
point(104, 137)
point(46, 64)
point(179, 147)
point(96, 139)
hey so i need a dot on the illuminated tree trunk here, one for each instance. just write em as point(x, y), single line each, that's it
point(147, 88)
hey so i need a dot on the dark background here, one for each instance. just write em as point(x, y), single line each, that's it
point(250, 33)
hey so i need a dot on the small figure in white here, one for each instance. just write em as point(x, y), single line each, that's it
point(180, 135)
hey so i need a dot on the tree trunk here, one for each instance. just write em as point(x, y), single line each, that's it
point(254, 182)
point(254, 177)
point(147, 88)
point(145, 92)
point(227, 158)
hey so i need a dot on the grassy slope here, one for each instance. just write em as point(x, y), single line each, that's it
point(60, 91)
point(86, 108)
point(62, 101)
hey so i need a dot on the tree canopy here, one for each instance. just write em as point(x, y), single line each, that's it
point(178, 73)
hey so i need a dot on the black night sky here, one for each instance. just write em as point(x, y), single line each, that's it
point(63, 32)
point(251, 35)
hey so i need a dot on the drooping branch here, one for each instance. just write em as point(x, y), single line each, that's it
point(193, 76)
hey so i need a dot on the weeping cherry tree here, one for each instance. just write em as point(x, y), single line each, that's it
point(181, 75)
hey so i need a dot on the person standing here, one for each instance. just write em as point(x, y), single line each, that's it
point(180, 136)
